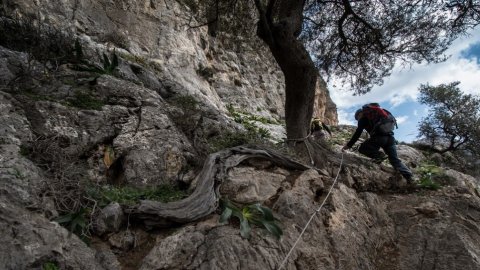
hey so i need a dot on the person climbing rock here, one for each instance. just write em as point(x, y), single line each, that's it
point(379, 123)
point(319, 130)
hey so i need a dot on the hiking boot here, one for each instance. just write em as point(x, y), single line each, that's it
point(379, 160)
point(412, 183)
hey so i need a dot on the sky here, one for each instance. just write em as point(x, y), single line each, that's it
point(399, 91)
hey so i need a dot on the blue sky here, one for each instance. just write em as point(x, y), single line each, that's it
point(399, 92)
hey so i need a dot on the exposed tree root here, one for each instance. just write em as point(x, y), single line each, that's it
point(204, 200)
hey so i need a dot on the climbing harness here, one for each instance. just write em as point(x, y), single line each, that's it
point(311, 217)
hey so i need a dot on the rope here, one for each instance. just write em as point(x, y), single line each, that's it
point(306, 145)
point(311, 217)
point(300, 139)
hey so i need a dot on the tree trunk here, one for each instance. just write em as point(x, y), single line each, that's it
point(281, 36)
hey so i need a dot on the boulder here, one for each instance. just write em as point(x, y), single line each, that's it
point(109, 219)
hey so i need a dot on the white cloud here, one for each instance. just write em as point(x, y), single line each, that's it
point(345, 118)
point(403, 84)
point(415, 112)
point(401, 119)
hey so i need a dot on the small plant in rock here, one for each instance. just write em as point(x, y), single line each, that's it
point(427, 183)
point(86, 101)
point(253, 214)
point(105, 195)
point(429, 175)
point(241, 116)
point(50, 266)
point(109, 63)
point(186, 103)
point(41, 41)
point(76, 222)
point(230, 139)
point(206, 72)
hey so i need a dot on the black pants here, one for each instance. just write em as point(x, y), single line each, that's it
point(371, 147)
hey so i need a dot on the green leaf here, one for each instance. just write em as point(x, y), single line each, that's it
point(65, 218)
point(273, 228)
point(266, 212)
point(245, 228)
point(114, 61)
point(226, 214)
point(50, 266)
point(247, 213)
point(106, 62)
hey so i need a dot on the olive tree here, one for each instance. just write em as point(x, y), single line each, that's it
point(355, 41)
point(453, 121)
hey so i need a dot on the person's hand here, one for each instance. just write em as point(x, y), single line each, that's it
point(346, 147)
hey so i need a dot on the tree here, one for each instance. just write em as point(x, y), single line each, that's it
point(358, 41)
point(453, 122)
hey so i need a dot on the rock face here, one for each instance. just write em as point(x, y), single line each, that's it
point(65, 130)
point(189, 62)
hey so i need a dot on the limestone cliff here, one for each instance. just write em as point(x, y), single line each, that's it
point(89, 146)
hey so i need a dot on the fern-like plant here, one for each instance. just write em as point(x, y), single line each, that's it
point(75, 222)
point(253, 214)
point(109, 63)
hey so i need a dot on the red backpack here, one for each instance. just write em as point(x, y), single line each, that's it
point(381, 120)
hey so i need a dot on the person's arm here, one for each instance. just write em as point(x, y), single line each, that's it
point(360, 127)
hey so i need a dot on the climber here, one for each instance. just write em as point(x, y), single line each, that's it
point(318, 129)
point(379, 123)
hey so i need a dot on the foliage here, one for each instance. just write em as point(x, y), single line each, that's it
point(109, 63)
point(429, 176)
point(141, 60)
point(42, 42)
point(75, 222)
point(206, 72)
point(104, 195)
point(187, 103)
point(356, 41)
point(253, 214)
point(231, 139)
point(340, 135)
point(252, 133)
point(240, 116)
point(426, 182)
point(248, 121)
point(85, 101)
point(50, 266)
point(453, 120)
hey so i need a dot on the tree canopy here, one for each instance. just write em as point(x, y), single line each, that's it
point(355, 41)
point(360, 41)
point(453, 121)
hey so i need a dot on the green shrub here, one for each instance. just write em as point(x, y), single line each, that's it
point(76, 222)
point(109, 63)
point(231, 139)
point(186, 102)
point(430, 176)
point(85, 101)
point(50, 266)
point(42, 42)
point(428, 183)
point(206, 72)
point(253, 214)
point(241, 116)
point(105, 195)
